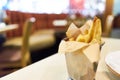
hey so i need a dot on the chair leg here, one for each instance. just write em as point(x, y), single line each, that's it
point(26, 59)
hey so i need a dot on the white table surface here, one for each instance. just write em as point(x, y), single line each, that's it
point(8, 27)
point(51, 68)
point(102, 71)
point(54, 67)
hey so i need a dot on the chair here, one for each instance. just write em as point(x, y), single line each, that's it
point(14, 58)
point(41, 37)
point(108, 26)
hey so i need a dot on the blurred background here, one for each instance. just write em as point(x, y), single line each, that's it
point(52, 20)
point(67, 9)
point(84, 7)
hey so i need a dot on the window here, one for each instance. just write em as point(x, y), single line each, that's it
point(85, 7)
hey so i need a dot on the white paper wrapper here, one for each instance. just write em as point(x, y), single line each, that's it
point(81, 59)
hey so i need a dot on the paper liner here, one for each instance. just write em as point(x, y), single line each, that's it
point(81, 59)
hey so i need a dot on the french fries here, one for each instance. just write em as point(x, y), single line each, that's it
point(90, 32)
point(98, 32)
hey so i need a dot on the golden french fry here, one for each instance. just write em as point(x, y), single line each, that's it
point(90, 32)
point(80, 38)
point(83, 38)
point(97, 33)
point(71, 39)
point(88, 37)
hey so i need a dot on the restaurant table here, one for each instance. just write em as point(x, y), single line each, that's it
point(103, 73)
point(8, 27)
point(54, 67)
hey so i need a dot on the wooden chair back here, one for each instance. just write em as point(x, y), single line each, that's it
point(25, 43)
point(108, 25)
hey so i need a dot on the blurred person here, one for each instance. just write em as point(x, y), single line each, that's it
point(3, 19)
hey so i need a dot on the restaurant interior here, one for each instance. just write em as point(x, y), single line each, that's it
point(38, 26)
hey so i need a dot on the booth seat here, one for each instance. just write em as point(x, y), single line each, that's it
point(38, 40)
